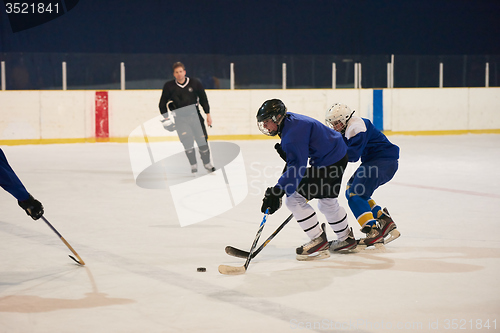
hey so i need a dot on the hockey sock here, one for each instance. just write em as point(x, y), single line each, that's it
point(336, 216)
point(205, 154)
point(304, 214)
point(361, 210)
point(366, 219)
point(310, 225)
point(376, 209)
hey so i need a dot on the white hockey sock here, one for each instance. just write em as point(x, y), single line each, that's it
point(304, 214)
point(336, 216)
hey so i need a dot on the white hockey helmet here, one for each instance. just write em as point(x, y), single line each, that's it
point(338, 116)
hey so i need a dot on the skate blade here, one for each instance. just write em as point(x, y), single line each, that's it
point(361, 247)
point(375, 248)
point(352, 249)
point(379, 247)
point(315, 256)
point(392, 236)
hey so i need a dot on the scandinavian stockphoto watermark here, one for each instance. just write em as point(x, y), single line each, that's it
point(356, 324)
point(158, 160)
point(262, 176)
point(394, 325)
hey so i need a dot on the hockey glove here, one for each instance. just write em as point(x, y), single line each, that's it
point(272, 199)
point(168, 124)
point(280, 151)
point(33, 207)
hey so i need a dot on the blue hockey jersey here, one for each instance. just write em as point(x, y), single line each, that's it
point(304, 140)
point(368, 143)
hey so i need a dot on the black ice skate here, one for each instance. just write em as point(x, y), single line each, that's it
point(345, 245)
point(315, 249)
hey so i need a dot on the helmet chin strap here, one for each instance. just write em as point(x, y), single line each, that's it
point(281, 124)
point(350, 116)
point(345, 126)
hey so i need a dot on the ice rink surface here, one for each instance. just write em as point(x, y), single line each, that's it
point(140, 275)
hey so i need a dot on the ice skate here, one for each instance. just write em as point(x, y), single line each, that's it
point(194, 168)
point(373, 237)
point(388, 227)
point(209, 167)
point(315, 249)
point(345, 245)
point(366, 229)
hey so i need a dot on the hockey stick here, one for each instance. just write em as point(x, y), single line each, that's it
point(232, 251)
point(79, 261)
point(232, 270)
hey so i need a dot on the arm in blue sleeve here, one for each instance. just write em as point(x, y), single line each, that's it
point(9, 180)
point(296, 160)
point(355, 146)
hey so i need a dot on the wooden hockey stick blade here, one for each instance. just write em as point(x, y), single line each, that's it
point(69, 255)
point(232, 251)
point(79, 261)
point(235, 252)
point(232, 270)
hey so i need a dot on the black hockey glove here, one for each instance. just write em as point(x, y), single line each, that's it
point(280, 151)
point(272, 199)
point(33, 207)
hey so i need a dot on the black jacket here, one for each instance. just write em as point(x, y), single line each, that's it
point(191, 92)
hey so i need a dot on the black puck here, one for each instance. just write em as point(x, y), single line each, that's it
point(201, 269)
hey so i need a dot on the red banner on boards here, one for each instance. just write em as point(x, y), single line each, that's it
point(101, 115)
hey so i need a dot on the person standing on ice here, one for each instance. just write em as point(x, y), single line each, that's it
point(189, 123)
point(12, 184)
point(379, 163)
point(303, 140)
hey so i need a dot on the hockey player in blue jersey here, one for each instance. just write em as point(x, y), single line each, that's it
point(12, 184)
point(379, 163)
point(303, 140)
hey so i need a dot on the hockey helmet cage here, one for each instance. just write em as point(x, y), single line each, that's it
point(338, 116)
point(270, 110)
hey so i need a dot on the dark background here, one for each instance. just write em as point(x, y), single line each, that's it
point(94, 37)
point(266, 27)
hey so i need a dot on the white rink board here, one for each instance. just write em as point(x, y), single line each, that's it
point(63, 115)
point(19, 115)
point(484, 108)
point(71, 114)
point(429, 109)
point(130, 108)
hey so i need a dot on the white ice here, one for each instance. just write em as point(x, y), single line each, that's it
point(140, 275)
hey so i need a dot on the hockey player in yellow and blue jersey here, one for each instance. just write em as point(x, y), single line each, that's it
point(379, 163)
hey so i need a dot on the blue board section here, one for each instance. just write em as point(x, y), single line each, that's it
point(378, 109)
